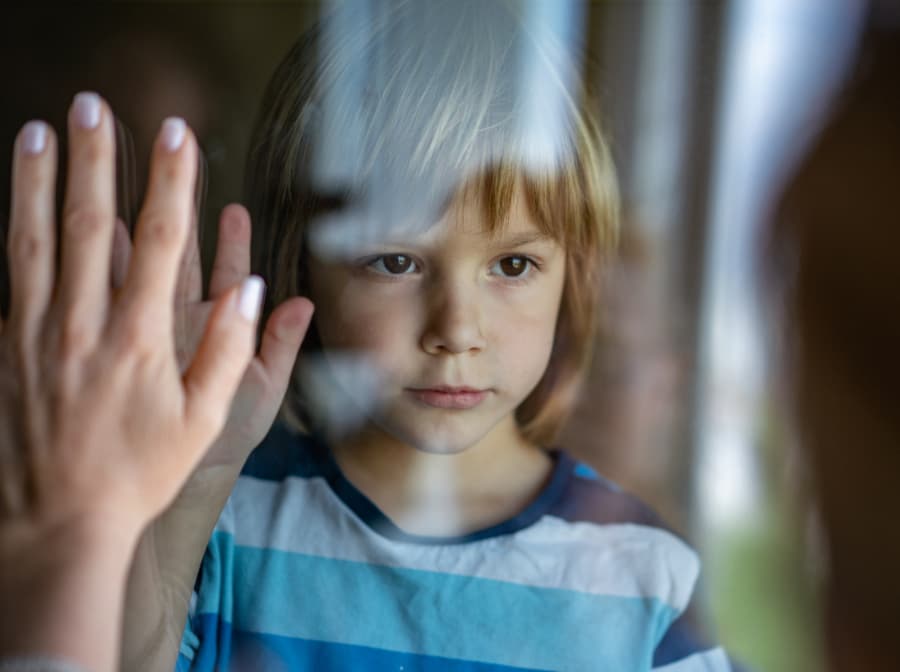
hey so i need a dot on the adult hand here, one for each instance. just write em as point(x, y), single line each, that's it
point(98, 418)
point(100, 426)
point(265, 381)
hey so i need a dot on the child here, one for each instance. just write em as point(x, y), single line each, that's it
point(449, 222)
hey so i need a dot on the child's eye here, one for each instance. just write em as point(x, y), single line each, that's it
point(512, 267)
point(393, 264)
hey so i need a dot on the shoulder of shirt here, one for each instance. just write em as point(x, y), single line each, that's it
point(283, 453)
point(591, 498)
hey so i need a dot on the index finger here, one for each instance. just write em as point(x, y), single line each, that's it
point(190, 273)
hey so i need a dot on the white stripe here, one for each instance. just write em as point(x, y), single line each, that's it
point(713, 660)
point(624, 560)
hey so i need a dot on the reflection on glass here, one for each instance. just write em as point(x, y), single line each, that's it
point(494, 329)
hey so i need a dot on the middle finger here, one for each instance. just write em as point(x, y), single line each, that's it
point(89, 213)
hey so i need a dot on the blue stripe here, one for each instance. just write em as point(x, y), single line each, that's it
point(584, 471)
point(397, 609)
point(680, 641)
point(254, 651)
point(183, 664)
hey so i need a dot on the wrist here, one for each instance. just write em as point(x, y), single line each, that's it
point(64, 585)
point(82, 533)
point(209, 482)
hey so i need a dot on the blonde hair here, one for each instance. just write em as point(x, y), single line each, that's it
point(443, 120)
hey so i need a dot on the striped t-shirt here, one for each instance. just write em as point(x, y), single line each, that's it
point(304, 572)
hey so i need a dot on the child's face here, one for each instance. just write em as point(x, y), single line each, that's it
point(457, 326)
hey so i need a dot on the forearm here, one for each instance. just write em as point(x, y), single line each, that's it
point(164, 569)
point(63, 591)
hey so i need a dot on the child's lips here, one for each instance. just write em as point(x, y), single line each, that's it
point(459, 398)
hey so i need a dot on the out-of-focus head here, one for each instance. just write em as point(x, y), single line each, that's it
point(834, 252)
point(375, 123)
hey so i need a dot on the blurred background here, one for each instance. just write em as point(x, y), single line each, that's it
point(708, 106)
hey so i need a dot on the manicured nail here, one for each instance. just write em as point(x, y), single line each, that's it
point(173, 132)
point(250, 297)
point(34, 137)
point(87, 109)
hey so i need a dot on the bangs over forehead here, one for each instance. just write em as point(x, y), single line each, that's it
point(413, 106)
point(556, 200)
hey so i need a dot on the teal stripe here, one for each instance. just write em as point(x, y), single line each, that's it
point(415, 611)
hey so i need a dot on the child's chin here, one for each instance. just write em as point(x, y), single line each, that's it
point(433, 447)
point(437, 440)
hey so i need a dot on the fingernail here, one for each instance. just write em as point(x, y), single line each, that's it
point(250, 297)
point(173, 132)
point(34, 137)
point(87, 108)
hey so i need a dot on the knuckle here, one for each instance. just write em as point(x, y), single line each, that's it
point(134, 336)
point(27, 245)
point(95, 152)
point(283, 335)
point(171, 171)
point(161, 230)
point(229, 268)
point(37, 173)
point(75, 339)
point(85, 221)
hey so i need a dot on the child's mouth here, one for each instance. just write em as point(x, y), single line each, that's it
point(459, 398)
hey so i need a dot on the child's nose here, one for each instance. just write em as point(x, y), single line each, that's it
point(454, 323)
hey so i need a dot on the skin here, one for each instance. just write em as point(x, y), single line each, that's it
point(101, 423)
point(447, 306)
